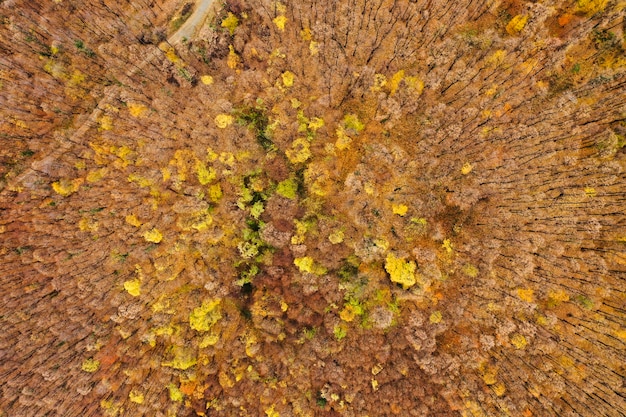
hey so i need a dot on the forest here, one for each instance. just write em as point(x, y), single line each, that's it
point(291, 208)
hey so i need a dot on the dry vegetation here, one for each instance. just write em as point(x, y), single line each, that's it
point(337, 208)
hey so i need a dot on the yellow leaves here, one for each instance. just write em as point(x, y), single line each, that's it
point(66, 187)
point(137, 109)
point(490, 375)
point(233, 59)
point(76, 78)
point(352, 122)
point(350, 312)
point(287, 78)
point(466, 168)
point(133, 287)
point(519, 341)
point(230, 22)
point(497, 58)
point(305, 34)
point(621, 334)
point(183, 359)
point(224, 120)
point(300, 151)
point(204, 317)
point(556, 297)
point(288, 188)
point(394, 82)
point(90, 365)
point(314, 48)
point(200, 220)
point(136, 396)
point(470, 270)
point(316, 123)
point(139, 180)
point(447, 245)
point(435, 317)
point(400, 271)
point(215, 192)
point(399, 209)
point(499, 389)
point(379, 82)
point(205, 174)
point(96, 175)
point(271, 412)
point(590, 192)
point(133, 220)
point(343, 140)
point(336, 237)
point(307, 264)
point(106, 123)
point(280, 22)
point(153, 236)
point(209, 340)
point(527, 295)
point(516, 24)
point(206, 79)
point(88, 225)
point(175, 393)
point(591, 7)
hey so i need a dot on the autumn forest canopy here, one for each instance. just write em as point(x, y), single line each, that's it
point(312, 208)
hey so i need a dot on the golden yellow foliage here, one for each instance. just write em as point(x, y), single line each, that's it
point(215, 192)
point(336, 237)
point(205, 174)
point(90, 365)
point(153, 235)
point(435, 317)
point(300, 151)
point(224, 120)
point(526, 295)
point(271, 412)
point(287, 78)
point(96, 175)
point(307, 264)
point(230, 22)
point(137, 109)
point(67, 187)
point(516, 24)
point(379, 82)
point(233, 59)
point(136, 396)
point(466, 168)
point(175, 393)
point(395, 81)
point(499, 389)
point(591, 7)
point(106, 122)
point(497, 58)
point(280, 22)
point(133, 287)
point(400, 271)
point(519, 341)
point(133, 220)
point(399, 209)
point(204, 317)
point(206, 79)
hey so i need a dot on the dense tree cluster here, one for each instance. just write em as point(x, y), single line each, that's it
point(361, 207)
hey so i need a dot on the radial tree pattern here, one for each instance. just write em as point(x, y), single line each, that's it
point(333, 208)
